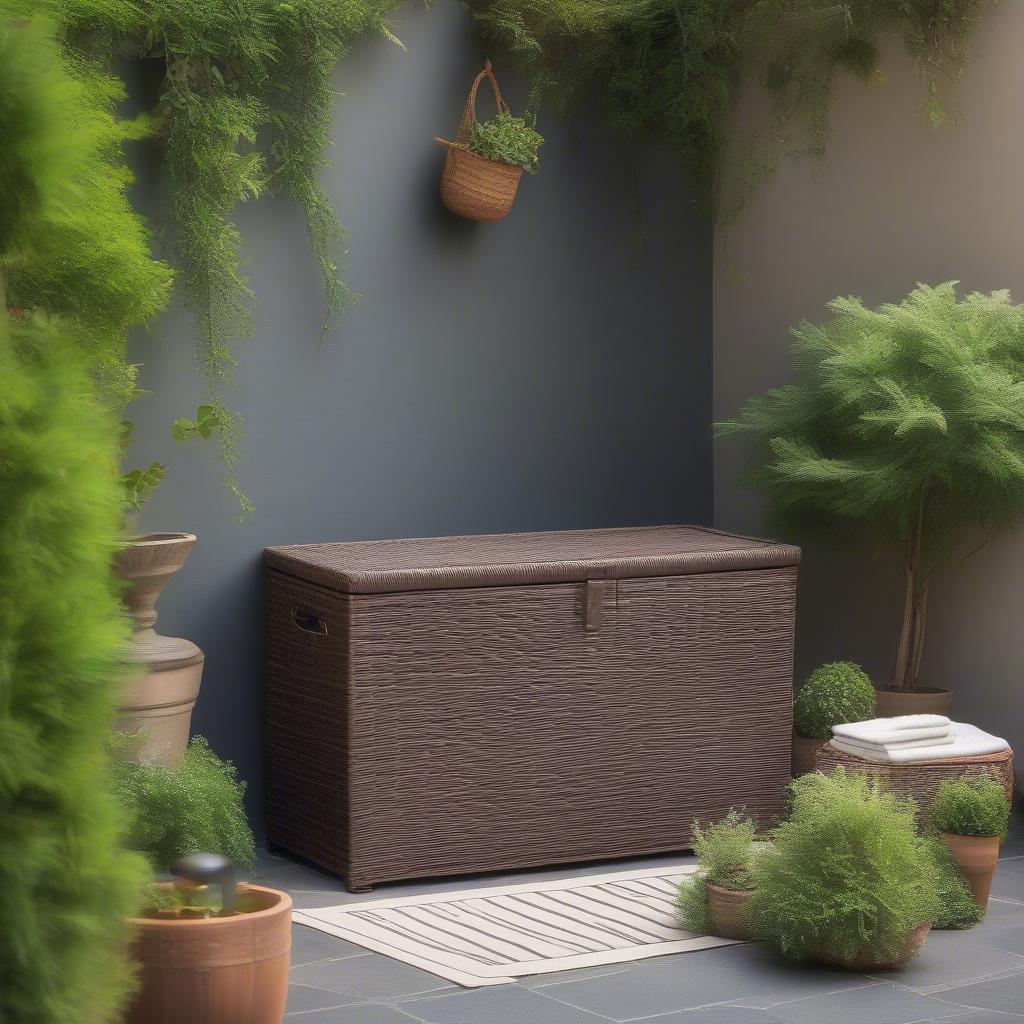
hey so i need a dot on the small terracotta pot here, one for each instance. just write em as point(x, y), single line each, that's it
point(925, 700)
point(727, 912)
point(976, 857)
point(216, 970)
point(804, 750)
point(866, 960)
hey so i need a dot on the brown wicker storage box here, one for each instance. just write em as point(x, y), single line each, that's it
point(466, 704)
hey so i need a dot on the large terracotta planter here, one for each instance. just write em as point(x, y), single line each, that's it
point(923, 701)
point(866, 960)
point(160, 698)
point(727, 911)
point(218, 970)
point(976, 857)
point(804, 750)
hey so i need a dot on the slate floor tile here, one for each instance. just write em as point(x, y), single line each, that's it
point(876, 1004)
point(581, 974)
point(372, 977)
point(1005, 994)
point(310, 946)
point(303, 998)
point(499, 1004)
point(357, 1013)
point(1008, 884)
point(713, 1015)
point(978, 1017)
point(953, 958)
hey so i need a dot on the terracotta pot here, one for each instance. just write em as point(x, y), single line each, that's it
point(976, 857)
point(866, 960)
point(727, 910)
point(217, 970)
point(160, 698)
point(925, 700)
point(804, 750)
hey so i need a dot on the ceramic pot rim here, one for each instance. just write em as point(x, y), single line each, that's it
point(154, 540)
point(281, 905)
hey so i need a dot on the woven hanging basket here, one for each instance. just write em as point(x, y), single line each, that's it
point(472, 186)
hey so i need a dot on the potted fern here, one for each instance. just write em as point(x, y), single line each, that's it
point(715, 900)
point(903, 426)
point(834, 694)
point(846, 880)
point(971, 816)
point(486, 161)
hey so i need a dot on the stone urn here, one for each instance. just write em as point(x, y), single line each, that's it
point(160, 698)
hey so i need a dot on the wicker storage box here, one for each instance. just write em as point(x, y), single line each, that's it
point(466, 704)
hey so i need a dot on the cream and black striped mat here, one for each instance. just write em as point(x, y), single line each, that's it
point(490, 936)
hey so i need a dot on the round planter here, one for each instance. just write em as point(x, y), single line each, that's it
point(866, 960)
point(804, 751)
point(976, 857)
point(922, 701)
point(727, 912)
point(160, 697)
point(477, 188)
point(218, 970)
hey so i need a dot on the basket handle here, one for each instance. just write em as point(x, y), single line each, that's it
point(469, 110)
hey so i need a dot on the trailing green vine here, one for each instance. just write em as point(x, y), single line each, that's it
point(674, 69)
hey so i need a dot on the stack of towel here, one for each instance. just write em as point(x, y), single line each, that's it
point(914, 738)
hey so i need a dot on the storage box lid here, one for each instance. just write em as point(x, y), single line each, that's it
point(514, 559)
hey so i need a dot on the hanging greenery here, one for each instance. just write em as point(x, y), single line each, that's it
point(673, 70)
point(244, 110)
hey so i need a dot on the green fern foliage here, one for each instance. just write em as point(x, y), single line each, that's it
point(193, 807)
point(903, 425)
point(507, 139)
point(673, 70)
point(846, 872)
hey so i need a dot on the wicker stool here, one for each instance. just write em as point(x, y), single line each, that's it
point(920, 779)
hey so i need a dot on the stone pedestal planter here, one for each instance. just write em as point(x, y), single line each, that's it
point(160, 698)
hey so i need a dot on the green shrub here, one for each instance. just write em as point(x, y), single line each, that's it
point(846, 872)
point(725, 850)
point(957, 906)
point(971, 807)
point(66, 883)
point(834, 694)
point(193, 807)
point(507, 139)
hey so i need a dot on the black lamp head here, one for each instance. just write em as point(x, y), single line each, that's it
point(209, 869)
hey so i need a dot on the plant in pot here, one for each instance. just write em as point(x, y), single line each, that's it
point(971, 814)
point(714, 900)
point(180, 816)
point(487, 159)
point(904, 427)
point(834, 694)
point(846, 880)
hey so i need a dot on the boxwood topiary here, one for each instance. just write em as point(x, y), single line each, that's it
point(846, 873)
point(835, 693)
point(971, 807)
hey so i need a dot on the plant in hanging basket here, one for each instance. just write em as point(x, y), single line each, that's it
point(487, 159)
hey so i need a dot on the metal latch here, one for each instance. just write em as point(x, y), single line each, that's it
point(596, 595)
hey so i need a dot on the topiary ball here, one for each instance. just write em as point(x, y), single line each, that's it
point(835, 693)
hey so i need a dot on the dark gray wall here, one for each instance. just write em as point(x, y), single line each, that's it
point(540, 373)
point(892, 204)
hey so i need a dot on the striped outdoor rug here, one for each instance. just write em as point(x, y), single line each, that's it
point(490, 936)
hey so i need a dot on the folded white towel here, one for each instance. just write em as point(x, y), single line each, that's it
point(969, 741)
point(902, 724)
point(898, 736)
point(851, 744)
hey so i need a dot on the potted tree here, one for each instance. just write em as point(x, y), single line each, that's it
point(904, 426)
point(971, 816)
point(846, 880)
point(834, 694)
point(714, 901)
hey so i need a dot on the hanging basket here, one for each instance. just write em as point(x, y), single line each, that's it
point(472, 186)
